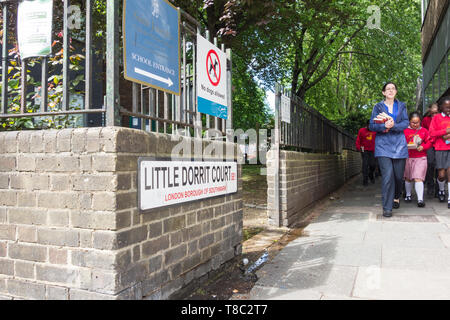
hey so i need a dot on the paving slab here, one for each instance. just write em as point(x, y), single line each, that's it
point(348, 252)
point(445, 239)
point(274, 293)
point(312, 275)
point(398, 284)
point(431, 260)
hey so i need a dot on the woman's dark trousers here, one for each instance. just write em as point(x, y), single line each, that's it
point(368, 166)
point(391, 180)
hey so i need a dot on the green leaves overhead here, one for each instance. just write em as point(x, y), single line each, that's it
point(336, 55)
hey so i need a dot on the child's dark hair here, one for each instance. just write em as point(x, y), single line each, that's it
point(415, 114)
point(386, 84)
point(441, 102)
point(428, 113)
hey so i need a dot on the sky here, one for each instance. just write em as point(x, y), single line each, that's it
point(270, 99)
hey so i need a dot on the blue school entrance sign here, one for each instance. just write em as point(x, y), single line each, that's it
point(151, 44)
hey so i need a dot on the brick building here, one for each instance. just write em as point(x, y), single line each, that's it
point(435, 49)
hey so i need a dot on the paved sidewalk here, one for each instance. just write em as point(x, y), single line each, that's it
point(351, 252)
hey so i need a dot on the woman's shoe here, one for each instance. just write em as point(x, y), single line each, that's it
point(396, 204)
point(420, 204)
point(387, 214)
point(408, 199)
point(441, 196)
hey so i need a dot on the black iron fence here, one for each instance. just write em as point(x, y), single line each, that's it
point(44, 87)
point(302, 128)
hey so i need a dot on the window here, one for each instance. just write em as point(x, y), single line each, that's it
point(436, 86)
point(429, 95)
point(442, 78)
point(448, 68)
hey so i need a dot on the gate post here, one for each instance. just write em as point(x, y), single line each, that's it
point(112, 63)
point(278, 221)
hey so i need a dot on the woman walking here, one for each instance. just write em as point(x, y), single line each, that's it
point(440, 130)
point(418, 142)
point(389, 119)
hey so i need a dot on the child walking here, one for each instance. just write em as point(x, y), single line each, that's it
point(419, 142)
point(440, 131)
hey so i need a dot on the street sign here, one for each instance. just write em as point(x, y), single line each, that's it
point(285, 109)
point(151, 44)
point(212, 79)
point(162, 183)
point(34, 28)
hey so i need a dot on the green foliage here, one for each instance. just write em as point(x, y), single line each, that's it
point(249, 106)
point(354, 120)
point(323, 50)
point(326, 54)
point(54, 92)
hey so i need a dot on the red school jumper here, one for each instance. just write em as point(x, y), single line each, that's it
point(366, 139)
point(427, 142)
point(426, 122)
point(438, 128)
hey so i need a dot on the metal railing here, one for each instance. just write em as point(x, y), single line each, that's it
point(308, 130)
point(168, 113)
point(157, 110)
point(6, 6)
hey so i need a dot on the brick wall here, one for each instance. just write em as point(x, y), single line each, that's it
point(305, 178)
point(70, 227)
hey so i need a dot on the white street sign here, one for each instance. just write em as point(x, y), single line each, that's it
point(34, 28)
point(285, 109)
point(163, 183)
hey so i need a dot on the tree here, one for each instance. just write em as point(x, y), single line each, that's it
point(327, 54)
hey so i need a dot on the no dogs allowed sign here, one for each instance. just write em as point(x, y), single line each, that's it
point(212, 79)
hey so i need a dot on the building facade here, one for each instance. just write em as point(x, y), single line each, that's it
point(435, 50)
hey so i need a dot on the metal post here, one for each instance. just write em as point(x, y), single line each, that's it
point(141, 91)
point(278, 221)
point(23, 89)
point(134, 97)
point(208, 122)
point(88, 61)
point(112, 63)
point(66, 50)
point(4, 106)
point(229, 123)
point(44, 87)
point(222, 127)
point(198, 116)
point(184, 75)
point(216, 119)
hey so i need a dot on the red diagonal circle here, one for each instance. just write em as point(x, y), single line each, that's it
point(208, 57)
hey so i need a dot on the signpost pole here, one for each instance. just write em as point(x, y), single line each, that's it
point(276, 150)
point(229, 123)
point(4, 106)
point(112, 63)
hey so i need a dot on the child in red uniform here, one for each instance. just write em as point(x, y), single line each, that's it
point(418, 142)
point(365, 142)
point(440, 130)
point(428, 116)
point(432, 187)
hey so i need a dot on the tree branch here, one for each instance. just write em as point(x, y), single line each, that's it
point(327, 70)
